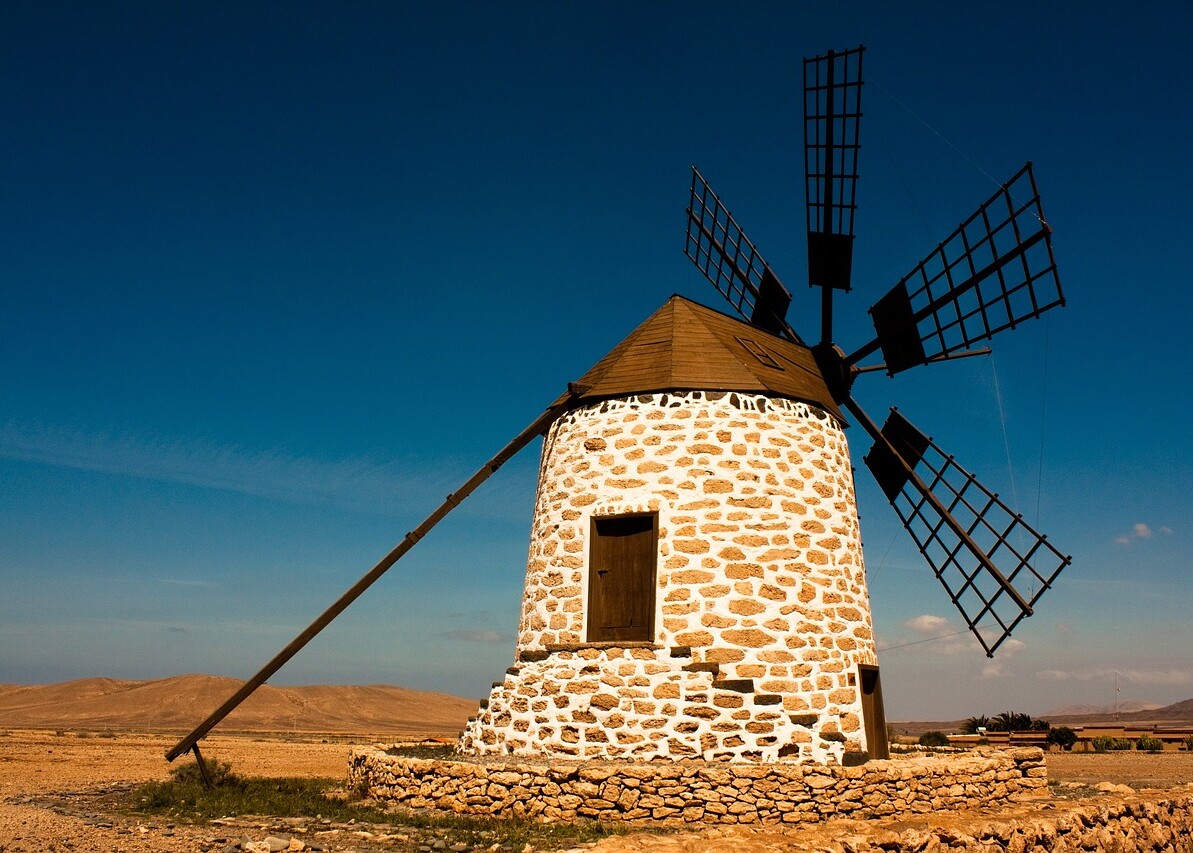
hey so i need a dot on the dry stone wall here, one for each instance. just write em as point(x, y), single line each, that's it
point(1161, 823)
point(700, 792)
point(761, 614)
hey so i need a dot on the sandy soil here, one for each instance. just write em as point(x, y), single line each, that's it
point(1138, 769)
point(49, 785)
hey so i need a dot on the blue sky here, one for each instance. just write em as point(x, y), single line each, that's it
point(275, 278)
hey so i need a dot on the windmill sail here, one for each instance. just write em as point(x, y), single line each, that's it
point(993, 565)
point(832, 119)
point(720, 249)
point(993, 272)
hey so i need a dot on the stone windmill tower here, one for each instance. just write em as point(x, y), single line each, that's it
point(695, 585)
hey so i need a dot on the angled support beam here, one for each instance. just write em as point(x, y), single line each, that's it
point(203, 771)
point(190, 742)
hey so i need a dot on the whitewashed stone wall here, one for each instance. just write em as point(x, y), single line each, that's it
point(761, 610)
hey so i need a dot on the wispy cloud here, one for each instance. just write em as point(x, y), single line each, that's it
point(938, 637)
point(360, 484)
point(927, 623)
point(196, 584)
point(1141, 530)
point(479, 636)
point(1165, 677)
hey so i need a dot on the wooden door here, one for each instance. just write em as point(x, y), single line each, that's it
point(621, 578)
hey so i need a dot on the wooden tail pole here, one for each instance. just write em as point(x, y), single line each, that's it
point(453, 500)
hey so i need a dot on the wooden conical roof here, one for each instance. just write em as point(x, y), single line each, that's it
point(685, 346)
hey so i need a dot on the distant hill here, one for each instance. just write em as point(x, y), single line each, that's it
point(1129, 706)
point(1167, 715)
point(1179, 713)
point(180, 703)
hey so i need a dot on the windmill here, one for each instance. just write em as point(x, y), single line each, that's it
point(633, 636)
point(695, 585)
point(994, 271)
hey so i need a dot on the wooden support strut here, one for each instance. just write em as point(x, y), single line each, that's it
point(203, 771)
point(190, 742)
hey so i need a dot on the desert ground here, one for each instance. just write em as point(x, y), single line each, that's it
point(53, 786)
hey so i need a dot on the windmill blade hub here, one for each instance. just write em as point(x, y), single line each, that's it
point(838, 373)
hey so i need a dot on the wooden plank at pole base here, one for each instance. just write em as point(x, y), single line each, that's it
point(409, 541)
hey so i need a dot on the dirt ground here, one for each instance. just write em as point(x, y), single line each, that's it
point(38, 766)
point(50, 784)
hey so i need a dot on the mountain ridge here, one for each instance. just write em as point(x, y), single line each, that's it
point(1129, 706)
point(180, 702)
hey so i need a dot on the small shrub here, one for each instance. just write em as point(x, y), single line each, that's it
point(1147, 743)
point(1189, 743)
point(934, 738)
point(107, 733)
point(1062, 736)
point(190, 774)
point(82, 735)
point(1105, 743)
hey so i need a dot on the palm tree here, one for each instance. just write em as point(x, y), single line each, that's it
point(971, 726)
point(1010, 721)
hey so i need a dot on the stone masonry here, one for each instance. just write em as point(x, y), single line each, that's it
point(680, 792)
point(761, 614)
